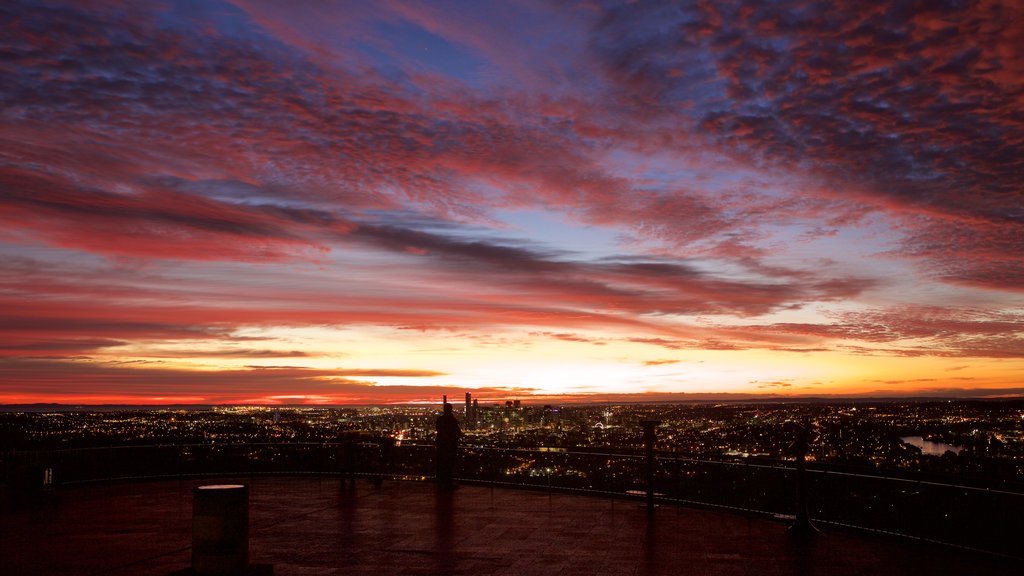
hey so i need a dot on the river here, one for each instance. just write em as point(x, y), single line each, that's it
point(930, 448)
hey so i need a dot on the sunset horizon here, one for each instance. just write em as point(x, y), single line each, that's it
point(496, 398)
point(238, 202)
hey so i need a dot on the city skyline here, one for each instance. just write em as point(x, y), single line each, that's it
point(220, 202)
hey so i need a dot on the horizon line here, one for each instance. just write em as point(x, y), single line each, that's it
point(730, 400)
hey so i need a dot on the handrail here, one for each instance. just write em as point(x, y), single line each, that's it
point(917, 482)
point(664, 457)
point(876, 503)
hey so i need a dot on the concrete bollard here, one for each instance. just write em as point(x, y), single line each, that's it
point(220, 530)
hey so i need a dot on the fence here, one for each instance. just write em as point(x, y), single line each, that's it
point(952, 513)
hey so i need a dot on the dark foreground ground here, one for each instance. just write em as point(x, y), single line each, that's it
point(312, 525)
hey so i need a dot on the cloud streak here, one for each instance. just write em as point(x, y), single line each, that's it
point(222, 182)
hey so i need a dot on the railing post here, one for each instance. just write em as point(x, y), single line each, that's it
point(650, 436)
point(801, 445)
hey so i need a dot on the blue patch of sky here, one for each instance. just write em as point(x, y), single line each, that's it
point(531, 229)
point(682, 71)
point(189, 17)
point(529, 226)
point(414, 220)
point(556, 232)
point(697, 83)
point(411, 49)
point(227, 19)
point(68, 260)
point(665, 173)
point(229, 191)
point(386, 65)
point(852, 251)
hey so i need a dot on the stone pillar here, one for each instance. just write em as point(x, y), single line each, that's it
point(220, 530)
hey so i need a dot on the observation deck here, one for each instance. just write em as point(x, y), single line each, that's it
point(329, 525)
point(367, 508)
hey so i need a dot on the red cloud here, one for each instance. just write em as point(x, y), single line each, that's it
point(913, 331)
point(178, 178)
point(42, 380)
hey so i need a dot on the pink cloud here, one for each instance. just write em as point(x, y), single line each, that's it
point(180, 172)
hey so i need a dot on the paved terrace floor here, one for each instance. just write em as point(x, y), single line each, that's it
point(310, 525)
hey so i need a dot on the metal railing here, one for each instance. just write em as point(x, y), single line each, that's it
point(953, 513)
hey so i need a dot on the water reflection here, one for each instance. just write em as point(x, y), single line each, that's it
point(930, 448)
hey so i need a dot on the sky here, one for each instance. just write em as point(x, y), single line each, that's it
point(373, 202)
